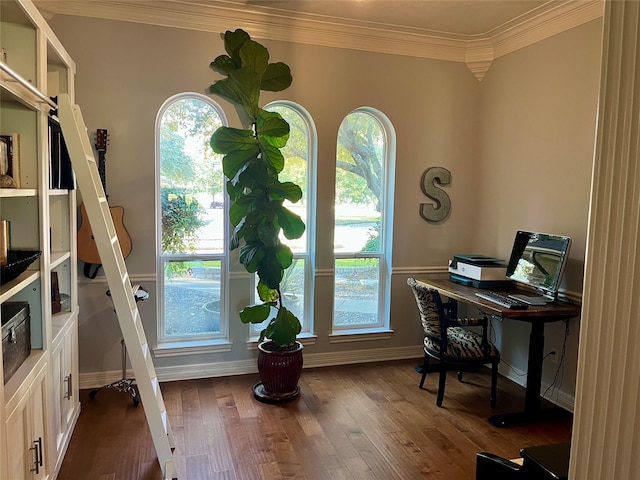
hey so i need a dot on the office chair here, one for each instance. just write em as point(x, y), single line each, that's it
point(447, 341)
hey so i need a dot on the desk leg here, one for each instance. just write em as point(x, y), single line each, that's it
point(534, 369)
point(532, 411)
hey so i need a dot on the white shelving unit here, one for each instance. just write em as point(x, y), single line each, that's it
point(39, 405)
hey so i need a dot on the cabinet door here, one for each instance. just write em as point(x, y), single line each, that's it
point(57, 394)
point(70, 381)
point(38, 400)
point(26, 434)
point(18, 439)
point(64, 389)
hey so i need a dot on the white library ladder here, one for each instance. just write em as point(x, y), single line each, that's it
point(103, 229)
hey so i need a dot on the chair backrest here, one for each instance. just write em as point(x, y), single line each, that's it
point(430, 308)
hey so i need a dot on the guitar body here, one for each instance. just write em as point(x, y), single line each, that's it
point(87, 248)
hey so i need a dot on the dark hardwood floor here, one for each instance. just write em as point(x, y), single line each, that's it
point(367, 421)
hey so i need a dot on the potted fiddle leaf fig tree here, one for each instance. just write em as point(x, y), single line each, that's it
point(252, 161)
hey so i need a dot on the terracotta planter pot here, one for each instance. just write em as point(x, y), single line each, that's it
point(279, 372)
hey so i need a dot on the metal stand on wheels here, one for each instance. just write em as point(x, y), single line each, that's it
point(125, 385)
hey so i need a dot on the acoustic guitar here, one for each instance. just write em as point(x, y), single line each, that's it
point(87, 249)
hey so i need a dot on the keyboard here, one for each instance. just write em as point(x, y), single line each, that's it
point(502, 300)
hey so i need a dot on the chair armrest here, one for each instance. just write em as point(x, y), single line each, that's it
point(494, 467)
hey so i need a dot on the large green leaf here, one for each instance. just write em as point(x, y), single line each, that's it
point(233, 162)
point(272, 155)
point(232, 43)
point(226, 89)
point(222, 64)
point(246, 83)
point(265, 293)
point(273, 128)
point(291, 223)
point(256, 175)
point(276, 78)
point(285, 256)
point(287, 190)
point(237, 211)
point(256, 313)
point(251, 256)
point(227, 139)
point(242, 87)
point(270, 269)
point(234, 190)
point(268, 236)
point(254, 56)
point(234, 242)
point(285, 327)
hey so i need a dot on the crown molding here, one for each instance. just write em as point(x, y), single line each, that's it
point(476, 51)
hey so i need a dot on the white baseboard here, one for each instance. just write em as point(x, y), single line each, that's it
point(313, 360)
point(557, 397)
point(242, 367)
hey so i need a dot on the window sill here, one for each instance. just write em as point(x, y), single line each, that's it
point(360, 335)
point(304, 338)
point(197, 347)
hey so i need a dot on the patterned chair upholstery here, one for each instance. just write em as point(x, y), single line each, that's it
point(446, 340)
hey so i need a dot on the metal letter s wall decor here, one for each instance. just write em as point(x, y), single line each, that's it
point(430, 183)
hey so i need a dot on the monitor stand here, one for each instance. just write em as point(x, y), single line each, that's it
point(532, 299)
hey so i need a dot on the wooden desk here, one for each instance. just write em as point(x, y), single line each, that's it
point(537, 316)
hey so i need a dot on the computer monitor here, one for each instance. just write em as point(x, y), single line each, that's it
point(538, 260)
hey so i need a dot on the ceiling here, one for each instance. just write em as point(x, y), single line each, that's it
point(474, 32)
point(464, 17)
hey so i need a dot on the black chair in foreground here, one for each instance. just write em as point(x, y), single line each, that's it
point(544, 462)
point(447, 341)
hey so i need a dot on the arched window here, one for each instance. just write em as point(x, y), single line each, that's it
point(365, 161)
point(300, 167)
point(192, 220)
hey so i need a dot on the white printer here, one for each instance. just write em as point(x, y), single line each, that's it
point(478, 270)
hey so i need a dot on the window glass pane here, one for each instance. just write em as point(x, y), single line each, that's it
point(296, 168)
point(192, 221)
point(293, 292)
point(192, 298)
point(356, 297)
point(359, 219)
point(191, 179)
point(298, 162)
point(359, 184)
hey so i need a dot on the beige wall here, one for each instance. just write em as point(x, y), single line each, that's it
point(534, 113)
point(537, 134)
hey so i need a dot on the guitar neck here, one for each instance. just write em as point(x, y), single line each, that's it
point(102, 170)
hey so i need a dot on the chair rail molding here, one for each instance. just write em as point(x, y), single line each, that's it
point(476, 51)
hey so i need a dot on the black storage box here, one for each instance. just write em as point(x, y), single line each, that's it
point(16, 336)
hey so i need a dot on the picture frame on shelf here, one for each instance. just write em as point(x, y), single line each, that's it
point(10, 160)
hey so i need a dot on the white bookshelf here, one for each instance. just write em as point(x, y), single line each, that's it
point(39, 405)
